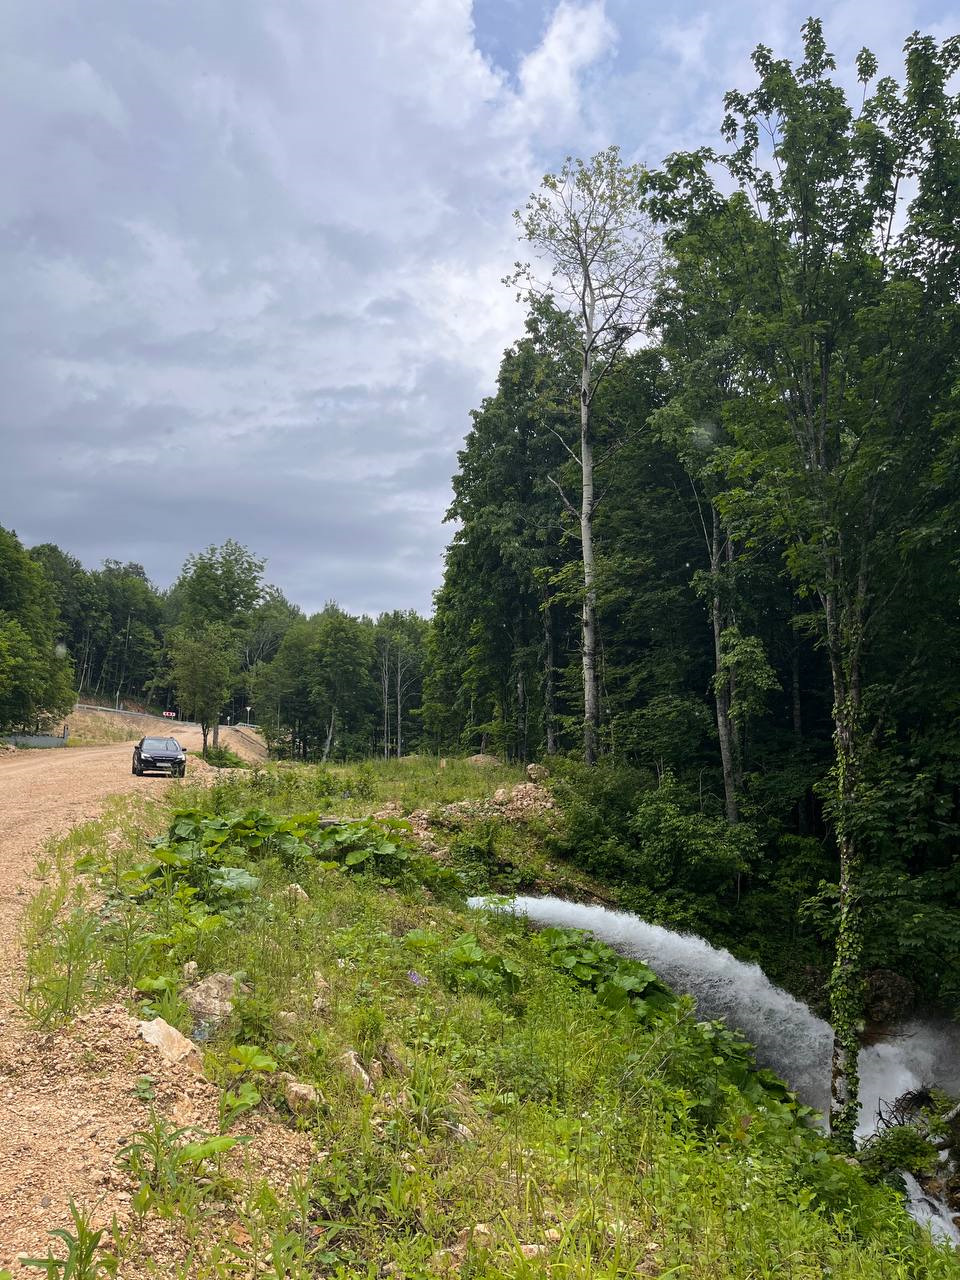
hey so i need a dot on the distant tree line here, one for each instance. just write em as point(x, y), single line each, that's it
point(219, 641)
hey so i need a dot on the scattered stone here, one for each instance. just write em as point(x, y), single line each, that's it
point(392, 809)
point(286, 1020)
point(533, 1250)
point(528, 798)
point(174, 1047)
point(210, 1000)
point(481, 760)
point(190, 971)
point(537, 772)
point(298, 1095)
point(392, 1062)
point(356, 1070)
point(444, 1260)
point(296, 893)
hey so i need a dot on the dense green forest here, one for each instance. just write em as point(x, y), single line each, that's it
point(705, 551)
point(220, 644)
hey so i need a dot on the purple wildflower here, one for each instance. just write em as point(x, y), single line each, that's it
point(417, 979)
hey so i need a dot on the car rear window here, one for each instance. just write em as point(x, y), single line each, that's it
point(160, 744)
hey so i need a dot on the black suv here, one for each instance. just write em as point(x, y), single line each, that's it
point(159, 755)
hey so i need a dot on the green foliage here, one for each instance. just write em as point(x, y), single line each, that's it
point(175, 1171)
point(203, 668)
point(247, 1057)
point(467, 965)
point(85, 1258)
point(65, 971)
point(898, 1147)
point(219, 585)
point(618, 983)
point(671, 858)
point(535, 1082)
point(224, 758)
point(35, 678)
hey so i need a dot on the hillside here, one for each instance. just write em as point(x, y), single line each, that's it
point(380, 1081)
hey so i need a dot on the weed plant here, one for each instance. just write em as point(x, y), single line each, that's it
point(511, 1103)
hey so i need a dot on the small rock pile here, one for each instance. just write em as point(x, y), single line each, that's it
point(525, 800)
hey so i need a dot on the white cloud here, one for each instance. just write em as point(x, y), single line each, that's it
point(252, 254)
point(550, 98)
point(274, 263)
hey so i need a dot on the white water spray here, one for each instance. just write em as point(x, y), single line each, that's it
point(789, 1038)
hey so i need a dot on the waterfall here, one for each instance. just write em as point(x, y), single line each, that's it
point(789, 1038)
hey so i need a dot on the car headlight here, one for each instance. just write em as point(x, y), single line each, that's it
point(144, 757)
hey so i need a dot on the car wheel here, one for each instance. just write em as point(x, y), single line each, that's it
point(133, 769)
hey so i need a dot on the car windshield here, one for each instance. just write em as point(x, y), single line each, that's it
point(160, 744)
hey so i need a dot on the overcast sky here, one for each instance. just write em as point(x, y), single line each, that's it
point(252, 250)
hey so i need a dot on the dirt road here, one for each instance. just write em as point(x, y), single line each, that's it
point(59, 1120)
point(44, 794)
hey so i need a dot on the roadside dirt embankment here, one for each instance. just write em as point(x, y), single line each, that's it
point(60, 1116)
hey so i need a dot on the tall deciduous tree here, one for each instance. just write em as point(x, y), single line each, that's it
point(598, 257)
point(221, 584)
point(203, 666)
point(35, 675)
point(225, 585)
point(840, 257)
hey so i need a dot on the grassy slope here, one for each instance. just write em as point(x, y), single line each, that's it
point(582, 1142)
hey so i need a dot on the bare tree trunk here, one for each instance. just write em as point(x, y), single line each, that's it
point(385, 697)
point(399, 678)
point(204, 729)
point(549, 695)
point(803, 804)
point(591, 700)
point(721, 685)
point(329, 741)
point(123, 663)
point(522, 716)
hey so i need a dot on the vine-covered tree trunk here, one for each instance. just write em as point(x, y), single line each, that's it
point(844, 630)
point(846, 982)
